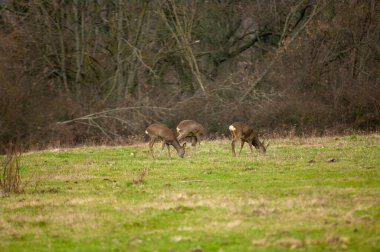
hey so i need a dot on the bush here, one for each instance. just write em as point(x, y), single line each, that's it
point(10, 179)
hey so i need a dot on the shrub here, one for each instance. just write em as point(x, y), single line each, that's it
point(10, 179)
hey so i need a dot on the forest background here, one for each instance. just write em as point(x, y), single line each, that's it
point(77, 72)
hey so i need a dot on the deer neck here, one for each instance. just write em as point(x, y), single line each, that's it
point(176, 145)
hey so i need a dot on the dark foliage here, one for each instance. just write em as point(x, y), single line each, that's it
point(100, 72)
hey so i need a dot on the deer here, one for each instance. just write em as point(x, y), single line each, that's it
point(246, 134)
point(190, 129)
point(159, 131)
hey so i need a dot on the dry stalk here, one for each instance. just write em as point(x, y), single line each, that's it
point(10, 179)
point(141, 176)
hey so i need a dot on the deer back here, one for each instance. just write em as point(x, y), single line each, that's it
point(160, 131)
point(242, 129)
point(187, 127)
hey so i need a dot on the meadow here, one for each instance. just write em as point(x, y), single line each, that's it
point(309, 194)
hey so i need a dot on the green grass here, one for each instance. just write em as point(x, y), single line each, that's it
point(311, 194)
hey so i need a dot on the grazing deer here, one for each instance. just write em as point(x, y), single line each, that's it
point(190, 129)
point(158, 131)
point(246, 134)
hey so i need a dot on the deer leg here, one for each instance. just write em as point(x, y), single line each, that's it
point(250, 146)
point(167, 145)
point(193, 141)
point(162, 147)
point(198, 136)
point(241, 146)
point(233, 136)
point(151, 143)
point(233, 147)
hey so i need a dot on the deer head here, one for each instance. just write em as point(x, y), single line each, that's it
point(181, 150)
point(260, 146)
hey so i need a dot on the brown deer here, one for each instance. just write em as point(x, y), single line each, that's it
point(246, 134)
point(158, 131)
point(190, 129)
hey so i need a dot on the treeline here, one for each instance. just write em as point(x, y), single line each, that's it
point(82, 71)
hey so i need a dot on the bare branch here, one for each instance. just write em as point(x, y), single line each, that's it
point(280, 51)
point(98, 114)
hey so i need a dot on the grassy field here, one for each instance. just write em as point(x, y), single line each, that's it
point(312, 194)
